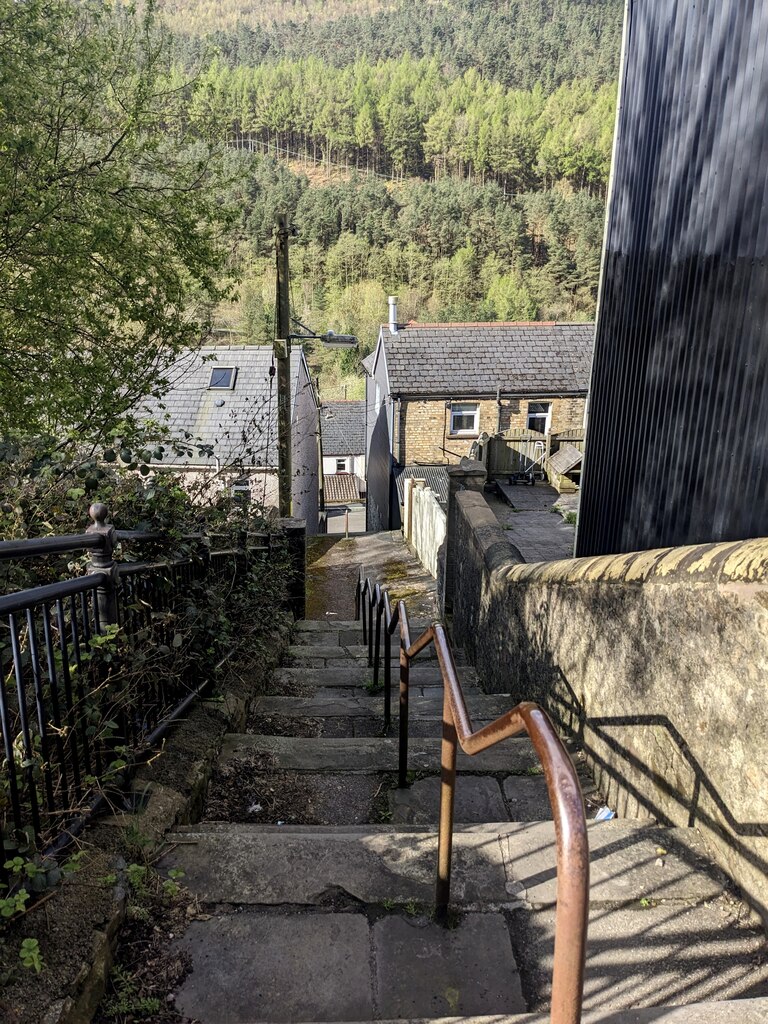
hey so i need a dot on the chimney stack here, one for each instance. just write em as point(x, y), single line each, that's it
point(393, 314)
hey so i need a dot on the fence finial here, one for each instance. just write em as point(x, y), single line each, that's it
point(102, 561)
point(98, 513)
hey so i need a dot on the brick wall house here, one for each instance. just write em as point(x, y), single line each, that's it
point(434, 389)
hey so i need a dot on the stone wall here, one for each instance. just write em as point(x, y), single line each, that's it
point(423, 427)
point(656, 661)
point(424, 525)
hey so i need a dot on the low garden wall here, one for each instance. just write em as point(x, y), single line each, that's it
point(656, 662)
point(424, 525)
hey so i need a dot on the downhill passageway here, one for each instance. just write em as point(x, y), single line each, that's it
point(319, 887)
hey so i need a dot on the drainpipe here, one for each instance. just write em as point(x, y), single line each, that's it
point(390, 516)
point(320, 474)
point(498, 409)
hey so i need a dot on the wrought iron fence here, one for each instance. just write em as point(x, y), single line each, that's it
point(71, 723)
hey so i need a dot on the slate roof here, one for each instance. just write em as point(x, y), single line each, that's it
point(241, 424)
point(468, 360)
point(436, 477)
point(343, 428)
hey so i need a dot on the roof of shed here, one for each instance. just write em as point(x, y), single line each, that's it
point(341, 487)
point(435, 476)
point(343, 427)
point(477, 359)
point(240, 425)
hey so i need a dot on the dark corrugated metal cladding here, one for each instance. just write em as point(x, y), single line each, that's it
point(677, 441)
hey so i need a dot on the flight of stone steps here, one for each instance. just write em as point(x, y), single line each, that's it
point(325, 916)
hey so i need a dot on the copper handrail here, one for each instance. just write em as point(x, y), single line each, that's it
point(561, 779)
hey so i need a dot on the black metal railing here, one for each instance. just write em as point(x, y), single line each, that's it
point(71, 724)
point(372, 601)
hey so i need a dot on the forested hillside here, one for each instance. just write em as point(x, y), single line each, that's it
point(520, 43)
point(406, 117)
point(455, 152)
point(451, 250)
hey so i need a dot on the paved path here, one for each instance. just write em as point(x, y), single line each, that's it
point(333, 566)
point(536, 529)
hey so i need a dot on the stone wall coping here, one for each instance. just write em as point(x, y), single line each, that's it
point(499, 553)
point(467, 467)
point(743, 561)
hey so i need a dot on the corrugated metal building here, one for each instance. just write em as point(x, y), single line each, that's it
point(677, 441)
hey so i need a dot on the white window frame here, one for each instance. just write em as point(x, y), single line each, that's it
point(538, 415)
point(344, 463)
point(230, 386)
point(465, 409)
point(241, 488)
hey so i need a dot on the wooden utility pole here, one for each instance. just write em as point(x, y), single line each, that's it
point(282, 351)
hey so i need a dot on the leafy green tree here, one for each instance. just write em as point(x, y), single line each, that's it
point(109, 233)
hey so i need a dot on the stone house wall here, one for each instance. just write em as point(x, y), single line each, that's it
point(423, 426)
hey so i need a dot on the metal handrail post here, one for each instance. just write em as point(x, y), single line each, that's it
point(377, 642)
point(371, 606)
point(448, 752)
point(387, 663)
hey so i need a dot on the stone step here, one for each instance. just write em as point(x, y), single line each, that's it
point(478, 799)
point(377, 754)
point(341, 966)
point(428, 706)
point(338, 656)
point(332, 624)
point(498, 863)
point(306, 964)
point(324, 625)
point(329, 637)
point(738, 1011)
point(651, 954)
point(351, 675)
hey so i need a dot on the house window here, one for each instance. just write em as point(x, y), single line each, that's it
point(222, 378)
point(539, 416)
point(465, 418)
point(341, 465)
point(241, 492)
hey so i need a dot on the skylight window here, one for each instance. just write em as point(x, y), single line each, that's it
point(222, 378)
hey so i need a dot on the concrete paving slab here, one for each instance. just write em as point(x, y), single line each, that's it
point(648, 956)
point(478, 798)
point(424, 969)
point(628, 861)
point(527, 798)
point(286, 867)
point(370, 754)
point(276, 967)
